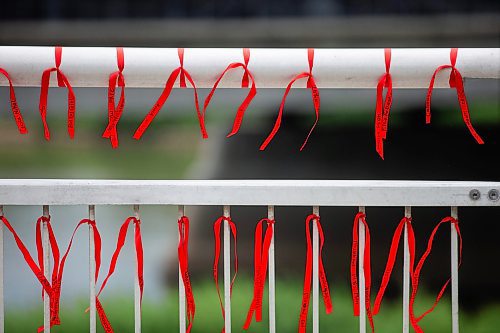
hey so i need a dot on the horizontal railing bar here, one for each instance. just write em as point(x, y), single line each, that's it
point(272, 68)
point(246, 192)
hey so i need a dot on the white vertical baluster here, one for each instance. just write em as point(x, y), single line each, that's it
point(227, 271)
point(46, 270)
point(137, 288)
point(361, 274)
point(315, 273)
point(92, 270)
point(454, 274)
point(406, 276)
point(2, 326)
point(182, 291)
point(272, 277)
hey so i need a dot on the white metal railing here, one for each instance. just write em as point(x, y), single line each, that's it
point(271, 68)
point(270, 193)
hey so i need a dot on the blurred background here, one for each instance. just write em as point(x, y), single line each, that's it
point(341, 147)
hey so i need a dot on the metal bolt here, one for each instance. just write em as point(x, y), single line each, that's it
point(475, 194)
point(493, 195)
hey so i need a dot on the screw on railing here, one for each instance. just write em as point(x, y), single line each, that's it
point(475, 195)
point(493, 195)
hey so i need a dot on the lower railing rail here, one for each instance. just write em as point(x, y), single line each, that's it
point(270, 193)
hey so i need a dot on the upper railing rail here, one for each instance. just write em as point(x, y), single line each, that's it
point(248, 192)
point(272, 68)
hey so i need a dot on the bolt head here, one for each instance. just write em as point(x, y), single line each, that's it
point(475, 194)
point(493, 195)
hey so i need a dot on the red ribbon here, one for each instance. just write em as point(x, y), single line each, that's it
point(311, 84)
point(244, 84)
point(392, 258)
point(308, 274)
point(16, 112)
point(183, 254)
point(383, 108)
point(57, 274)
point(140, 265)
point(416, 275)
point(456, 81)
point(36, 269)
point(217, 226)
point(261, 258)
point(115, 112)
point(366, 270)
point(62, 81)
point(179, 71)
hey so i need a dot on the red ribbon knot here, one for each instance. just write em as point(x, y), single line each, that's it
point(311, 84)
point(247, 76)
point(456, 82)
point(62, 81)
point(184, 74)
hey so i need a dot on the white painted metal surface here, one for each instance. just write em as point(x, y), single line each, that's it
point(454, 274)
point(406, 276)
point(315, 272)
point(46, 270)
point(244, 192)
point(272, 68)
point(2, 309)
point(361, 274)
point(227, 271)
point(272, 276)
point(182, 290)
point(92, 269)
point(137, 288)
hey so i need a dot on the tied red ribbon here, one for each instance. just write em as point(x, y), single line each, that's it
point(308, 274)
point(361, 217)
point(456, 81)
point(115, 112)
point(183, 254)
point(62, 81)
point(217, 226)
point(383, 107)
point(57, 274)
point(261, 258)
point(140, 266)
point(405, 221)
point(247, 76)
point(36, 269)
point(183, 75)
point(416, 275)
point(16, 112)
point(311, 84)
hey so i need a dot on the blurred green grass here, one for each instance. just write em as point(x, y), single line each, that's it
point(163, 316)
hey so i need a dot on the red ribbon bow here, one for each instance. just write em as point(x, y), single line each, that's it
point(57, 273)
point(311, 84)
point(53, 289)
point(244, 84)
point(16, 112)
point(456, 81)
point(179, 71)
point(140, 266)
point(308, 274)
point(217, 226)
point(261, 258)
point(383, 108)
point(416, 274)
point(62, 81)
point(366, 271)
point(115, 112)
point(183, 254)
